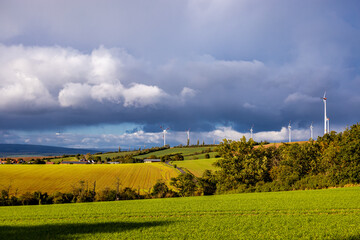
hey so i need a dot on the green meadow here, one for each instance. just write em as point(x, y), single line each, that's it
point(187, 152)
point(315, 214)
point(197, 167)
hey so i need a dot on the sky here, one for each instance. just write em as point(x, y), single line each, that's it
point(103, 74)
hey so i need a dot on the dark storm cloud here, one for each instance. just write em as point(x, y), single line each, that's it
point(184, 64)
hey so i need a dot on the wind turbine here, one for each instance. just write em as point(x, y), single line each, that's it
point(251, 131)
point(164, 134)
point(289, 128)
point(188, 136)
point(311, 132)
point(325, 117)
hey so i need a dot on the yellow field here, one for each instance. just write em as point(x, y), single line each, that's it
point(52, 178)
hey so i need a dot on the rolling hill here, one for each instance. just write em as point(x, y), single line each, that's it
point(52, 178)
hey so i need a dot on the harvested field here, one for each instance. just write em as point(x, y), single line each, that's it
point(52, 178)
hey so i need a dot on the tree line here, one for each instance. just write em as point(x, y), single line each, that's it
point(83, 192)
point(331, 161)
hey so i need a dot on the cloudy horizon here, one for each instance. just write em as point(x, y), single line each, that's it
point(104, 74)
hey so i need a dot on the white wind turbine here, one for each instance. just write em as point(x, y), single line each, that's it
point(325, 117)
point(251, 132)
point(311, 131)
point(188, 136)
point(164, 134)
point(289, 128)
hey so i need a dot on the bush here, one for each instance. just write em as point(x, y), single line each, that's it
point(313, 182)
point(39, 161)
point(59, 197)
point(28, 199)
point(106, 195)
point(161, 190)
point(129, 194)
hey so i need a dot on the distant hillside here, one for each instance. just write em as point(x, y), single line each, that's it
point(12, 150)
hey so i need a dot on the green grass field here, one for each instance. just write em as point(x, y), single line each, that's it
point(199, 156)
point(197, 167)
point(103, 156)
point(52, 178)
point(188, 153)
point(114, 154)
point(317, 214)
point(184, 151)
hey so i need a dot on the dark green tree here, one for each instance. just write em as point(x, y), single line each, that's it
point(185, 184)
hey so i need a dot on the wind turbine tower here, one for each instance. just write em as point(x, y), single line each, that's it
point(188, 136)
point(251, 132)
point(328, 125)
point(325, 117)
point(164, 134)
point(289, 128)
point(311, 132)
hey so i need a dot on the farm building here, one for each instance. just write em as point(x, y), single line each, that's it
point(151, 160)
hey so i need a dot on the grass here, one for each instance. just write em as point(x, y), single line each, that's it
point(317, 214)
point(200, 156)
point(197, 167)
point(185, 151)
point(113, 154)
point(58, 160)
point(52, 178)
point(189, 153)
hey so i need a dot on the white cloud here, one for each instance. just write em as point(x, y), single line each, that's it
point(140, 95)
point(271, 136)
point(106, 91)
point(249, 105)
point(187, 92)
point(75, 95)
point(140, 138)
point(299, 97)
point(27, 92)
point(52, 77)
point(105, 67)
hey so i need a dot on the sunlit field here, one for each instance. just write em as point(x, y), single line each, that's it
point(185, 151)
point(317, 214)
point(52, 178)
point(197, 167)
